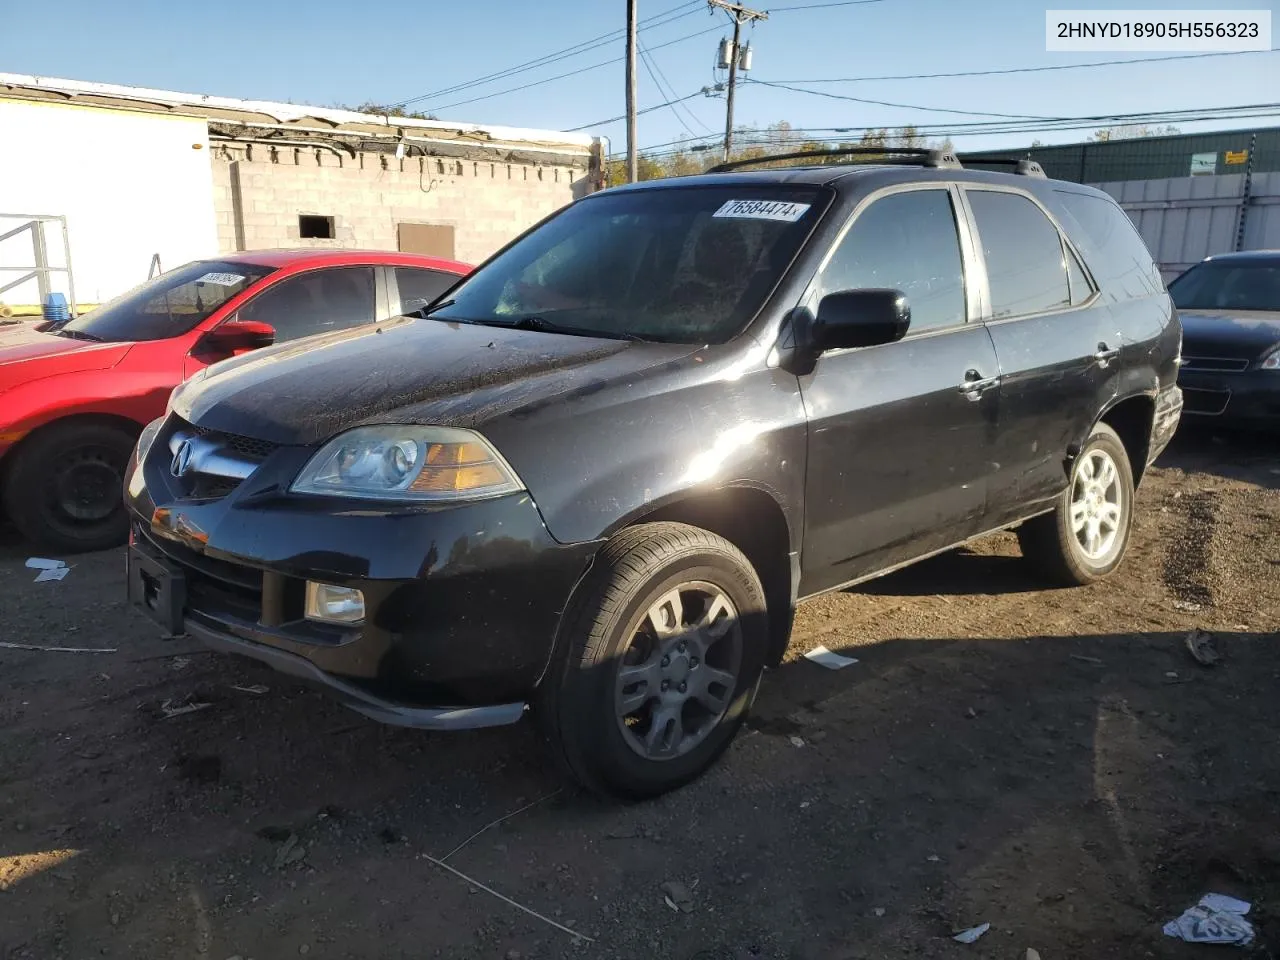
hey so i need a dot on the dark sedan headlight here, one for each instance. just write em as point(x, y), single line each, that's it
point(407, 462)
point(1271, 359)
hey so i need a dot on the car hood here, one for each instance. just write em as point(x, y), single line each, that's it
point(404, 371)
point(21, 341)
point(1238, 334)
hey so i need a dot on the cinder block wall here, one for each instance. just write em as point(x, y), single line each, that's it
point(488, 202)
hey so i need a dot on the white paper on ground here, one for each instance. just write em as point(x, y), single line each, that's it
point(972, 934)
point(52, 573)
point(832, 661)
point(1217, 918)
point(40, 563)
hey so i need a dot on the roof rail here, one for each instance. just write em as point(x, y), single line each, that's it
point(1023, 168)
point(893, 155)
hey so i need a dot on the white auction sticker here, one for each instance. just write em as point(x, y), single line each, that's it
point(762, 210)
point(1115, 31)
point(221, 279)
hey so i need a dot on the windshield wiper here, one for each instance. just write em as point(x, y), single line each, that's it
point(428, 311)
point(77, 335)
point(546, 326)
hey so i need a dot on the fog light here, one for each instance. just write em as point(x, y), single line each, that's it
point(334, 604)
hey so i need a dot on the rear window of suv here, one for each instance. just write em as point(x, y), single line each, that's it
point(681, 265)
point(1115, 251)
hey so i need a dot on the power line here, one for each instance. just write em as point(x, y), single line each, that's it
point(1060, 66)
point(571, 73)
point(652, 66)
point(904, 106)
point(585, 46)
point(1193, 115)
point(823, 6)
point(656, 106)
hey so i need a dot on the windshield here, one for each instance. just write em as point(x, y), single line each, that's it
point(680, 265)
point(1228, 285)
point(170, 305)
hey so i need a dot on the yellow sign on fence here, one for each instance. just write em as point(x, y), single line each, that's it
point(1236, 156)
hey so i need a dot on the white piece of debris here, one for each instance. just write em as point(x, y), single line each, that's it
point(972, 934)
point(796, 741)
point(49, 569)
point(170, 709)
point(1217, 918)
point(1200, 645)
point(832, 661)
point(254, 688)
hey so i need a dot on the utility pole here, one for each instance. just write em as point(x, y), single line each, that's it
point(740, 15)
point(632, 159)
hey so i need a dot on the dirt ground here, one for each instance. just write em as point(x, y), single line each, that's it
point(1053, 763)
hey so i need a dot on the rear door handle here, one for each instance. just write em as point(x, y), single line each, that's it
point(1105, 354)
point(975, 384)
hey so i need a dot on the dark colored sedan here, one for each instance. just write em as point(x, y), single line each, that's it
point(1230, 309)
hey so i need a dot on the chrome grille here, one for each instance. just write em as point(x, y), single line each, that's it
point(209, 464)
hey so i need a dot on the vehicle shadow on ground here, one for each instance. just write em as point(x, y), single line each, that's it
point(961, 572)
point(934, 785)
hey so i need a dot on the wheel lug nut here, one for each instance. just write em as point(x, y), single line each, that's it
point(665, 685)
point(681, 647)
point(666, 661)
point(693, 662)
point(684, 687)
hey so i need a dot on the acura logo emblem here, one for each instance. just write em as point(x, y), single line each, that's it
point(181, 463)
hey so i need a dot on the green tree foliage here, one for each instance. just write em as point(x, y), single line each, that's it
point(385, 111)
point(753, 142)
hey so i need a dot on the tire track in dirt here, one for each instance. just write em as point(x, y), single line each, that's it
point(1188, 561)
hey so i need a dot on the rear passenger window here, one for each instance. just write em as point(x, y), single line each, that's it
point(908, 242)
point(1112, 246)
point(419, 287)
point(1026, 268)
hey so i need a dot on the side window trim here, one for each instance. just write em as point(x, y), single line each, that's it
point(963, 237)
point(980, 257)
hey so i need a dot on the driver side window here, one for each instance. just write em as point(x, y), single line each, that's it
point(907, 242)
point(315, 302)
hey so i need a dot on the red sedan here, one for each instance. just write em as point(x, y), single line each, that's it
point(73, 399)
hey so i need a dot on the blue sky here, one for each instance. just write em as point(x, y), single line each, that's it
point(329, 52)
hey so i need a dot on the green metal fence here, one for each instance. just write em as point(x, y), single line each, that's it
point(1151, 158)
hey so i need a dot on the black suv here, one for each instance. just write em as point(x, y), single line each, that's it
point(596, 479)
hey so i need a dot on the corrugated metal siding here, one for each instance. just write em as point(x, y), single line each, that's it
point(1185, 219)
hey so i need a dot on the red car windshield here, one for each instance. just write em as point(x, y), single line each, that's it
point(168, 306)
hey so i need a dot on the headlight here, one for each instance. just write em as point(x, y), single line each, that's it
point(146, 439)
point(392, 462)
point(1271, 359)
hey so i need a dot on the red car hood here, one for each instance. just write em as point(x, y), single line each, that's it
point(53, 354)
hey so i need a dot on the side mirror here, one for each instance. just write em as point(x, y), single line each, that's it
point(861, 318)
point(235, 335)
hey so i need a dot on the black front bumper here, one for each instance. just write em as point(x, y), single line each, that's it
point(462, 603)
point(1250, 398)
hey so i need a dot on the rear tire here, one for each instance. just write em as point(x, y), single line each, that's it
point(659, 660)
point(65, 488)
point(1085, 538)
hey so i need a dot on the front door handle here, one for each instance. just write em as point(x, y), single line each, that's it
point(1105, 354)
point(975, 384)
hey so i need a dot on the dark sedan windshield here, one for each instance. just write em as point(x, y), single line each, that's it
point(170, 305)
point(1229, 285)
point(681, 265)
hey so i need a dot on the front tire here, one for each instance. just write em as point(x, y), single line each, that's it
point(660, 657)
point(1085, 538)
point(65, 489)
